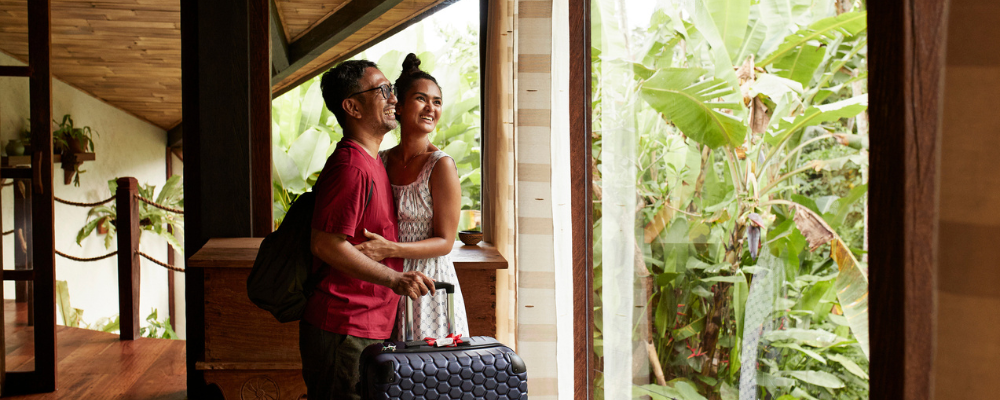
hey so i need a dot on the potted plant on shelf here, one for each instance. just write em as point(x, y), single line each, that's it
point(69, 141)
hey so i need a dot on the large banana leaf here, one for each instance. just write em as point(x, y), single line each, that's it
point(309, 152)
point(723, 23)
point(675, 93)
point(819, 114)
point(800, 63)
point(848, 24)
point(852, 291)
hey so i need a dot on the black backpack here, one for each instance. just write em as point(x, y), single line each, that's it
point(281, 280)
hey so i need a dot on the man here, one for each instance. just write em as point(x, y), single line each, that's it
point(355, 303)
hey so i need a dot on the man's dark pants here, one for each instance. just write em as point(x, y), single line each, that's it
point(330, 362)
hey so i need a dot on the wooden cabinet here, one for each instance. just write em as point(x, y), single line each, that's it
point(247, 351)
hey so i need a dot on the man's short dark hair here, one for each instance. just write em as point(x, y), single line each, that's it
point(342, 81)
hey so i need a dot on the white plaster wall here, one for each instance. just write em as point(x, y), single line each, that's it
point(125, 146)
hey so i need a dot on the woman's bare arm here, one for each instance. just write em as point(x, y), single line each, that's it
point(446, 192)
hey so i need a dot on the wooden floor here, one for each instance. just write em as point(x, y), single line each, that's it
point(96, 365)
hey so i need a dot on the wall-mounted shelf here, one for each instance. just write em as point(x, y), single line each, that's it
point(13, 164)
point(11, 161)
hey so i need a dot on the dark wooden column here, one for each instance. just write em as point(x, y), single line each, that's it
point(128, 256)
point(906, 57)
point(42, 206)
point(226, 140)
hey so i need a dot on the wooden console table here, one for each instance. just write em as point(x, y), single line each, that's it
point(246, 348)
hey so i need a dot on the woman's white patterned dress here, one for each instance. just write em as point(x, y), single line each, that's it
point(415, 212)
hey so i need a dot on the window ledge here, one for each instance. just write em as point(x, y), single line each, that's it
point(480, 256)
point(240, 253)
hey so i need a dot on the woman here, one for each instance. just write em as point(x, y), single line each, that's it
point(428, 202)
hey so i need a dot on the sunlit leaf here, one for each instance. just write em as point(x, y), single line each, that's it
point(817, 115)
point(852, 291)
point(846, 24)
point(819, 378)
point(685, 102)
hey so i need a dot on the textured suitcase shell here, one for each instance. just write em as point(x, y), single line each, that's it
point(482, 369)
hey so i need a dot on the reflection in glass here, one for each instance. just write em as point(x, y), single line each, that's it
point(19, 335)
point(730, 150)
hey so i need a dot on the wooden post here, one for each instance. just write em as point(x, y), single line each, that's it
point(128, 256)
point(171, 301)
point(906, 52)
point(43, 240)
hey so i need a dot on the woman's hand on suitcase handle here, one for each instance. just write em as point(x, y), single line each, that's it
point(412, 284)
point(377, 247)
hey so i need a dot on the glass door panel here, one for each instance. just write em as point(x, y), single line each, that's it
point(730, 162)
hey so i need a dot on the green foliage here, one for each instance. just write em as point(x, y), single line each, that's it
point(745, 115)
point(305, 132)
point(165, 224)
point(67, 137)
point(158, 329)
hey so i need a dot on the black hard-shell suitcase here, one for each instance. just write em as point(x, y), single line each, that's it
point(478, 368)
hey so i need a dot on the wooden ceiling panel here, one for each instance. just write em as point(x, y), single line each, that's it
point(404, 11)
point(104, 47)
point(298, 16)
point(128, 52)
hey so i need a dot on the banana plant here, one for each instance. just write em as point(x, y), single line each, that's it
point(750, 101)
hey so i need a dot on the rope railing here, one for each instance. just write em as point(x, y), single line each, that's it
point(95, 204)
point(160, 206)
point(5, 233)
point(161, 263)
point(80, 259)
point(114, 253)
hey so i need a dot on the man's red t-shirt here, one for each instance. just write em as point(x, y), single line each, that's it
point(341, 304)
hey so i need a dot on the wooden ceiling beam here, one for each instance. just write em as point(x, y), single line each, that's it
point(337, 27)
point(279, 43)
point(398, 28)
point(175, 136)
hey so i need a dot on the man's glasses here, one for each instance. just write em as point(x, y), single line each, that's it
point(385, 88)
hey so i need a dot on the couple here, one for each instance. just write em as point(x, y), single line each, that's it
point(356, 241)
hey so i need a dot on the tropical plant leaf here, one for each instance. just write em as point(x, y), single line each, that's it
point(805, 351)
point(819, 378)
point(172, 192)
point(848, 24)
point(800, 63)
point(811, 337)
point(689, 330)
point(675, 93)
point(849, 365)
point(312, 106)
point(308, 151)
point(756, 32)
point(723, 23)
point(852, 291)
point(817, 115)
point(86, 230)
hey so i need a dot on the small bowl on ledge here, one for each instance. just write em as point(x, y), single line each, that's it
point(470, 238)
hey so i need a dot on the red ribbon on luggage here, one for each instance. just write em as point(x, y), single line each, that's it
point(456, 339)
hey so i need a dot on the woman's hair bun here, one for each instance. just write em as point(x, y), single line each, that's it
point(411, 64)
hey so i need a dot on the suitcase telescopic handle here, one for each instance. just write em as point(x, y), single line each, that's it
point(448, 287)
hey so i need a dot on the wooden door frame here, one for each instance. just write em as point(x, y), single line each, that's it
point(907, 62)
point(42, 275)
